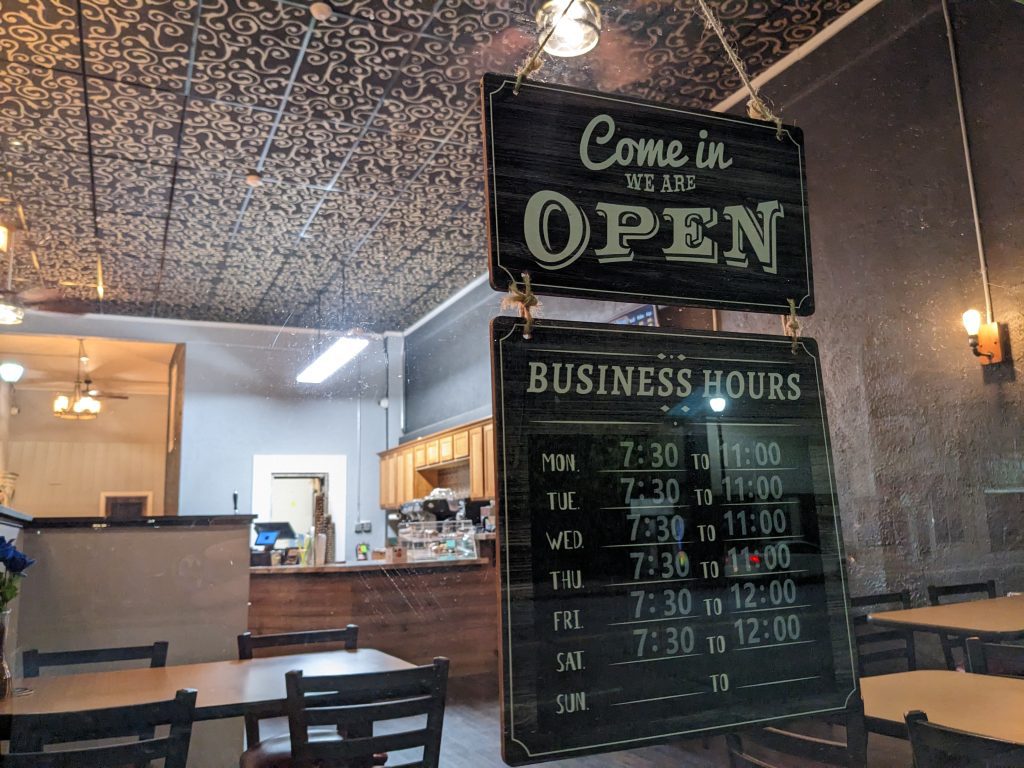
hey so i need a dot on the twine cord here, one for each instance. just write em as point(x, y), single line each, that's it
point(792, 325)
point(523, 301)
point(757, 106)
point(534, 63)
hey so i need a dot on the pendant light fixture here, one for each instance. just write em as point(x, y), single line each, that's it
point(79, 405)
point(569, 27)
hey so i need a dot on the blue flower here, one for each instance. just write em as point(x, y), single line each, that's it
point(18, 562)
point(13, 560)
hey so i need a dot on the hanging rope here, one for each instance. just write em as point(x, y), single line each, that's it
point(791, 326)
point(757, 107)
point(534, 63)
point(523, 301)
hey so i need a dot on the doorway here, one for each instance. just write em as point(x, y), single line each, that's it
point(279, 480)
point(293, 499)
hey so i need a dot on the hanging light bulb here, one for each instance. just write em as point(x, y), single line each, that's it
point(574, 26)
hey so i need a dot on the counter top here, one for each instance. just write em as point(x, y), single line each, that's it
point(162, 521)
point(365, 565)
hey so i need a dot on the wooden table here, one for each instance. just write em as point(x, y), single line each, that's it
point(226, 688)
point(1001, 618)
point(986, 704)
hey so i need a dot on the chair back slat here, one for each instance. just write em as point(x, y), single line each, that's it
point(849, 754)
point(352, 715)
point(938, 591)
point(311, 640)
point(936, 746)
point(363, 688)
point(880, 644)
point(30, 733)
point(33, 660)
point(994, 658)
point(348, 637)
point(354, 702)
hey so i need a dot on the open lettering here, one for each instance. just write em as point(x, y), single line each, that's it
point(558, 232)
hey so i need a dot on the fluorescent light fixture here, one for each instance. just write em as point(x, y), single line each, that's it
point(331, 359)
point(11, 372)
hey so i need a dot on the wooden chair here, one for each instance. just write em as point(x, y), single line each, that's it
point(33, 660)
point(331, 719)
point(935, 594)
point(311, 640)
point(994, 659)
point(849, 754)
point(936, 746)
point(875, 644)
point(348, 637)
point(30, 733)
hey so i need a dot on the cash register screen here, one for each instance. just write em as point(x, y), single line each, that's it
point(267, 538)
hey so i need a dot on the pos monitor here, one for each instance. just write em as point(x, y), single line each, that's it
point(267, 534)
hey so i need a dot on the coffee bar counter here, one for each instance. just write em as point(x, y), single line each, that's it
point(414, 610)
point(365, 566)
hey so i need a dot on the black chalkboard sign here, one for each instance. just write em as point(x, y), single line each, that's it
point(669, 543)
point(605, 196)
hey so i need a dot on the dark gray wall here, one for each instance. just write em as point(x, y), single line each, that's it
point(929, 447)
point(448, 359)
point(927, 444)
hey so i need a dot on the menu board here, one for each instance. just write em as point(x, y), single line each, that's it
point(611, 197)
point(669, 543)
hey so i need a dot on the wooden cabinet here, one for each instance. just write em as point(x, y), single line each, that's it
point(408, 476)
point(460, 444)
point(410, 471)
point(385, 482)
point(489, 465)
point(476, 463)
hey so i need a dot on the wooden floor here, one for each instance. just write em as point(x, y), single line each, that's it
point(472, 740)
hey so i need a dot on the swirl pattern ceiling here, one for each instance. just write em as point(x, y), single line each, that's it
point(127, 128)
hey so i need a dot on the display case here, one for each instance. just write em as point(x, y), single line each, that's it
point(438, 540)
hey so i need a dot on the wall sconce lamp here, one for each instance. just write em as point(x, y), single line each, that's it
point(985, 338)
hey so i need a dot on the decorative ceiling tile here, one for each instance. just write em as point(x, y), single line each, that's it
point(347, 70)
point(42, 108)
point(139, 41)
point(223, 136)
point(48, 178)
point(130, 280)
point(404, 14)
point(366, 128)
point(247, 50)
point(427, 104)
point(383, 164)
point(43, 33)
point(341, 223)
point(309, 152)
point(134, 236)
point(133, 188)
point(134, 122)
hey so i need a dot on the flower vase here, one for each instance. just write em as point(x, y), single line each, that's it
point(6, 681)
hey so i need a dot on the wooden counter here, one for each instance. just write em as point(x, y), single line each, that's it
point(415, 611)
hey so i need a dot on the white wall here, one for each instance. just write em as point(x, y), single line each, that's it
point(63, 465)
point(241, 399)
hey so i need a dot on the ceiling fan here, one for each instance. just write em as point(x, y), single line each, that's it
point(14, 303)
point(100, 394)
